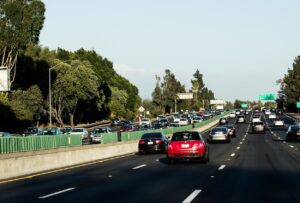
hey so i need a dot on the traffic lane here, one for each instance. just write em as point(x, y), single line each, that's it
point(74, 178)
point(29, 188)
point(219, 149)
point(263, 171)
point(279, 135)
point(151, 183)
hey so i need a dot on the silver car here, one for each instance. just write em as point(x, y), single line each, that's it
point(258, 127)
point(219, 134)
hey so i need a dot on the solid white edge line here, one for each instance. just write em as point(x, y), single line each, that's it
point(192, 196)
point(139, 167)
point(221, 167)
point(56, 193)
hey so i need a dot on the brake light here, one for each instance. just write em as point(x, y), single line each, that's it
point(159, 141)
point(141, 142)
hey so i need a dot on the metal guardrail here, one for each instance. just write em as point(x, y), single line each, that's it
point(136, 135)
point(33, 143)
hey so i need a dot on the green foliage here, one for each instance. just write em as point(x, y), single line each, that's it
point(74, 82)
point(118, 102)
point(292, 84)
point(197, 83)
point(170, 88)
point(229, 106)
point(27, 104)
point(20, 24)
point(151, 106)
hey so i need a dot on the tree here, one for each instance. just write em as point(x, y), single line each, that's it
point(170, 88)
point(20, 24)
point(281, 96)
point(27, 104)
point(292, 84)
point(229, 105)
point(197, 85)
point(157, 96)
point(74, 82)
point(118, 102)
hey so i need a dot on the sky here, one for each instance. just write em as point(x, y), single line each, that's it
point(240, 46)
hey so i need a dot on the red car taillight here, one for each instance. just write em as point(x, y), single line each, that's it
point(159, 141)
point(141, 142)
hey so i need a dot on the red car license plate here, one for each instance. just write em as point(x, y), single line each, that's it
point(185, 145)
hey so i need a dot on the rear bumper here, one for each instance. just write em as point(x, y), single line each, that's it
point(154, 148)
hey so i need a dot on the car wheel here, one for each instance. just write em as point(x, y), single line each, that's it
point(205, 158)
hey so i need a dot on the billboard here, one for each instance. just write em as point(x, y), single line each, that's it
point(185, 95)
point(217, 102)
point(4, 79)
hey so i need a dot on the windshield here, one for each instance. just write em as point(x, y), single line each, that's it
point(185, 136)
point(77, 130)
point(152, 135)
point(216, 130)
point(100, 130)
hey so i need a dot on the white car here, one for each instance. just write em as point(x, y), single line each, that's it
point(272, 116)
point(232, 115)
point(176, 119)
point(255, 120)
point(145, 121)
point(278, 123)
point(80, 131)
point(197, 119)
point(267, 112)
point(183, 121)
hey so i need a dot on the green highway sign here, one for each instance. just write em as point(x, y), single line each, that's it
point(267, 97)
point(244, 105)
point(298, 105)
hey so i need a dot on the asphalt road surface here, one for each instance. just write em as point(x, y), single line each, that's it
point(252, 168)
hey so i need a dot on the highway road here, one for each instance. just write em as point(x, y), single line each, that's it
point(252, 168)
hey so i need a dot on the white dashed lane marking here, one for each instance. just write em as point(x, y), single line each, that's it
point(137, 167)
point(56, 193)
point(221, 167)
point(192, 196)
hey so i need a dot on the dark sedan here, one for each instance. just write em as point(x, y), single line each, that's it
point(153, 142)
point(293, 133)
